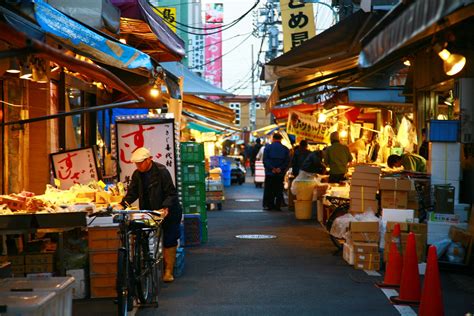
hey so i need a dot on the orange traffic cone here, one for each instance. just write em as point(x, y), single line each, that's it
point(393, 271)
point(410, 290)
point(431, 298)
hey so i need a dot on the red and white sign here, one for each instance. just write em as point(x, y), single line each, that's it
point(158, 137)
point(75, 167)
point(213, 55)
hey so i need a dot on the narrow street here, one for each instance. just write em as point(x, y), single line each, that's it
point(295, 273)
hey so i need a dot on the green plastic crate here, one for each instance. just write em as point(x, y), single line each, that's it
point(199, 207)
point(192, 152)
point(193, 193)
point(193, 172)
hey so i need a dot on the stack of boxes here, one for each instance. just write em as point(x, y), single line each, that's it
point(364, 186)
point(193, 188)
point(394, 193)
point(420, 231)
point(363, 250)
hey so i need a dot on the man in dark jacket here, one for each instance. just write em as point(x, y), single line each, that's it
point(276, 159)
point(301, 152)
point(153, 186)
point(253, 154)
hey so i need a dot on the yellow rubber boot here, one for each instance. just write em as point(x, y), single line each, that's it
point(169, 255)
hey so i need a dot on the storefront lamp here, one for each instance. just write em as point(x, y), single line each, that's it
point(13, 67)
point(25, 71)
point(407, 62)
point(155, 91)
point(322, 118)
point(452, 63)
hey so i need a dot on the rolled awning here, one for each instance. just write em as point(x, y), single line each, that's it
point(283, 112)
point(213, 123)
point(408, 23)
point(209, 109)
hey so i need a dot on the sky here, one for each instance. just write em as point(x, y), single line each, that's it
point(238, 45)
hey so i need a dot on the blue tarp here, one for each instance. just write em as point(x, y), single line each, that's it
point(70, 32)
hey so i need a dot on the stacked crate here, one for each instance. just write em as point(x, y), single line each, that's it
point(193, 187)
point(365, 237)
point(394, 192)
point(419, 230)
point(364, 186)
point(103, 245)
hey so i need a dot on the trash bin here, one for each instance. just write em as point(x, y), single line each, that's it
point(61, 303)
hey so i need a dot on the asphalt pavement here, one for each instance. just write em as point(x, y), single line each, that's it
point(268, 263)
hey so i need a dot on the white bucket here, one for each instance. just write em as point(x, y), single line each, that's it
point(303, 209)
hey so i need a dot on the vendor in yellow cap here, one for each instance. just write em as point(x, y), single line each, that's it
point(153, 186)
point(409, 162)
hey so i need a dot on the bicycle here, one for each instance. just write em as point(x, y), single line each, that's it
point(339, 207)
point(139, 258)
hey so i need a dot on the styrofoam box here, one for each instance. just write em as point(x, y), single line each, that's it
point(101, 221)
point(28, 303)
point(454, 183)
point(79, 286)
point(446, 151)
point(446, 170)
point(438, 231)
point(348, 253)
point(462, 210)
point(62, 286)
point(397, 215)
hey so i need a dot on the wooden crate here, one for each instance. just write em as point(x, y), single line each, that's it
point(103, 238)
point(103, 285)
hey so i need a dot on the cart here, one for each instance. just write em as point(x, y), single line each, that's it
point(259, 174)
point(214, 193)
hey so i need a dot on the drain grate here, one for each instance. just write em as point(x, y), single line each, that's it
point(255, 236)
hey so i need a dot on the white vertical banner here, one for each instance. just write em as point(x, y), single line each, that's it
point(156, 135)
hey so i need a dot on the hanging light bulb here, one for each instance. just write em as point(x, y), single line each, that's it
point(407, 62)
point(123, 40)
point(13, 67)
point(322, 117)
point(25, 71)
point(452, 63)
point(155, 91)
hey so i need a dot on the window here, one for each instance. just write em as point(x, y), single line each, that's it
point(236, 108)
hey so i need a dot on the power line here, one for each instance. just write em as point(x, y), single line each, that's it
point(238, 35)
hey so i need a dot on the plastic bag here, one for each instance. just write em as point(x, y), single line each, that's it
point(341, 225)
point(442, 246)
point(302, 185)
point(455, 252)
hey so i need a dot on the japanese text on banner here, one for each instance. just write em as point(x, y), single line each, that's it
point(305, 126)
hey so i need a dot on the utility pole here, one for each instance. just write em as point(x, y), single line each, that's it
point(252, 110)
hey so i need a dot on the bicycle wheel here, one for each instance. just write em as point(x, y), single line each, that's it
point(144, 265)
point(122, 282)
point(158, 267)
point(339, 211)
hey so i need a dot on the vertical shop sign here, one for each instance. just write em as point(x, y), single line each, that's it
point(168, 15)
point(213, 56)
point(214, 17)
point(157, 136)
point(297, 21)
point(196, 53)
point(77, 166)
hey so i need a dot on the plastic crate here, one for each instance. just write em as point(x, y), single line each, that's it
point(193, 172)
point(192, 152)
point(28, 303)
point(61, 286)
point(190, 208)
point(192, 230)
point(193, 193)
point(444, 131)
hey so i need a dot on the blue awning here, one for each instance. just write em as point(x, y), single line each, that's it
point(193, 84)
point(95, 45)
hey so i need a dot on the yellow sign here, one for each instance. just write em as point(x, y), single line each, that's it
point(305, 126)
point(168, 15)
point(297, 21)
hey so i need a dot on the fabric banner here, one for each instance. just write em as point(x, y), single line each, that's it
point(72, 33)
point(297, 22)
point(213, 55)
point(305, 126)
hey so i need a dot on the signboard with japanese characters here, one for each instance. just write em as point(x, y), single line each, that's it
point(213, 55)
point(297, 20)
point(304, 126)
point(168, 15)
point(77, 166)
point(157, 135)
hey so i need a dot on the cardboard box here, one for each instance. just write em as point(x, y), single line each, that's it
point(390, 225)
point(418, 228)
point(371, 257)
point(395, 184)
point(361, 192)
point(364, 227)
point(362, 247)
point(368, 169)
point(361, 206)
point(348, 253)
point(365, 183)
point(394, 199)
point(365, 236)
point(365, 176)
point(367, 265)
point(460, 235)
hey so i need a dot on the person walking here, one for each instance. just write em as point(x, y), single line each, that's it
point(299, 156)
point(336, 156)
point(253, 155)
point(409, 162)
point(276, 160)
point(152, 185)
